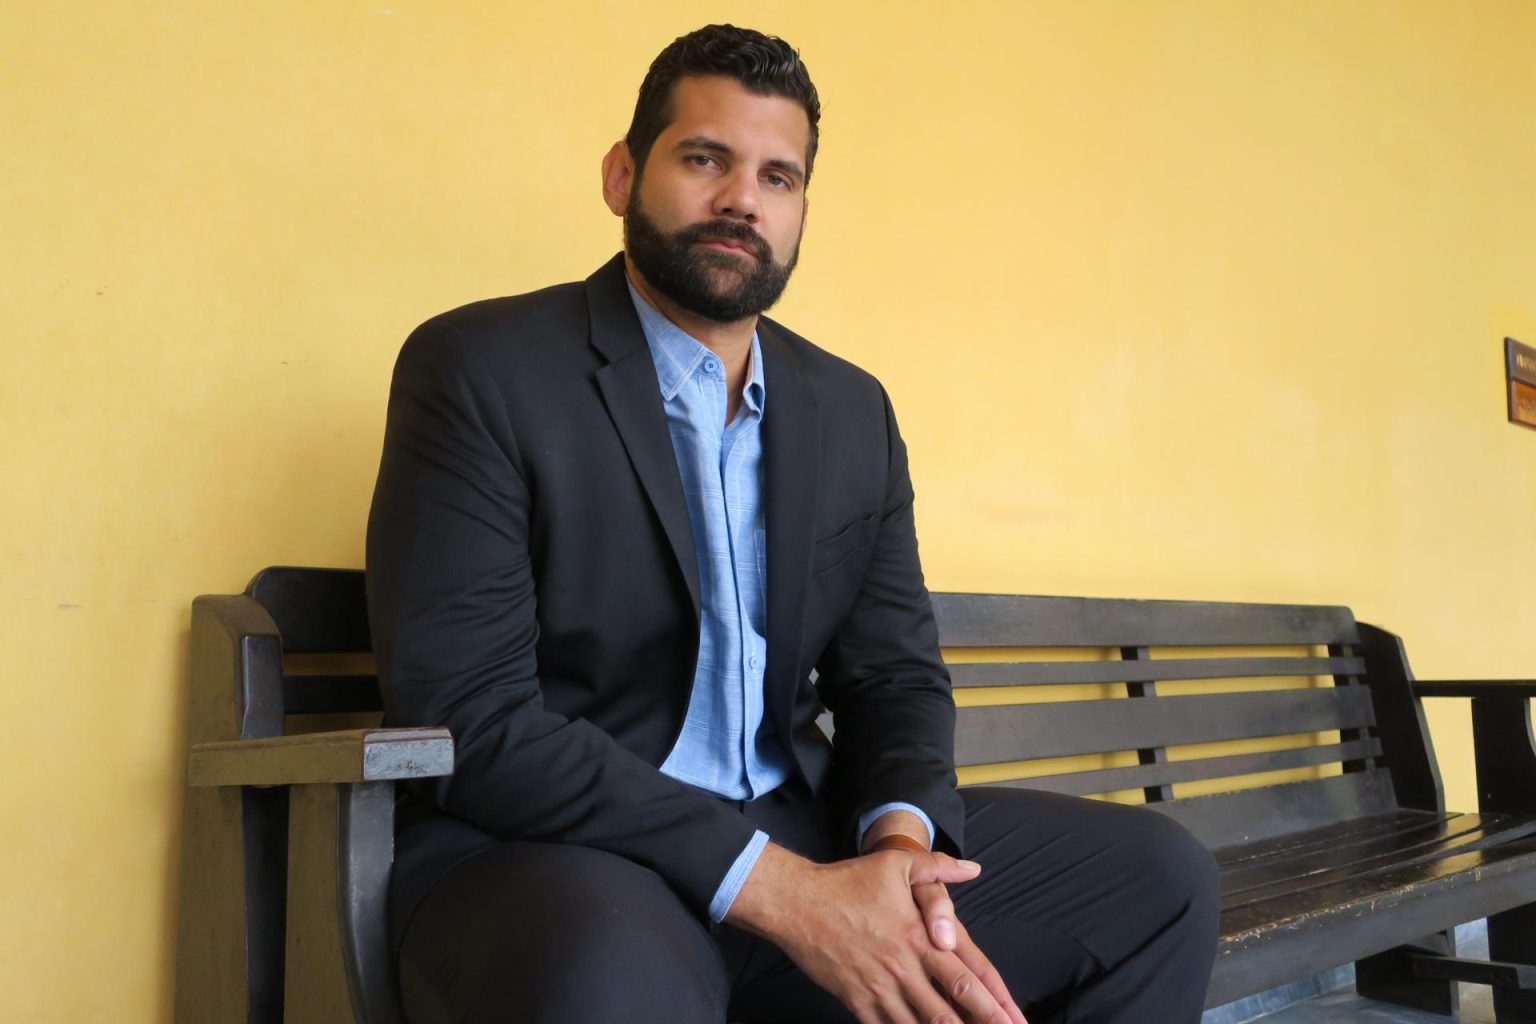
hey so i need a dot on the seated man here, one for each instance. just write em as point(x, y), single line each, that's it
point(619, 526)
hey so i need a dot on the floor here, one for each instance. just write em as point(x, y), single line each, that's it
point(1342, 1006)
point(1345, 1007)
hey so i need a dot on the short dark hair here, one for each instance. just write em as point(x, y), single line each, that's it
point(765, 65)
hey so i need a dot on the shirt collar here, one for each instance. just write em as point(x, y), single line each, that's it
point(677, 354)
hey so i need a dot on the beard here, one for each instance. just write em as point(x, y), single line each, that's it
point(719, 286)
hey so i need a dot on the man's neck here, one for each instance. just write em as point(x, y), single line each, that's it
point(731, 342)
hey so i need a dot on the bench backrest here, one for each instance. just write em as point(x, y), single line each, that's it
point(1299, 713)
point(1155, 701)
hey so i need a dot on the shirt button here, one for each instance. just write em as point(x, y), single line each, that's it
point(752, 661)
point(710, 366)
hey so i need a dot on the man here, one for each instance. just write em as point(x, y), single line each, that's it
point(619, 525)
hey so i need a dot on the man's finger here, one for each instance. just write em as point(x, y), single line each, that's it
point(972, 957)
point(927, 1001)
point(940, 867)
point(964, 989)
point(938, 911)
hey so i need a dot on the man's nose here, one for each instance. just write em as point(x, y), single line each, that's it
point(738, 198)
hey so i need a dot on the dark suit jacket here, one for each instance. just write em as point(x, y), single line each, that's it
point(532, 584)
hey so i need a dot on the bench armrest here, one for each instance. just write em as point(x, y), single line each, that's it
point(1503, 745)
point(352, 755)
point(1475, 687)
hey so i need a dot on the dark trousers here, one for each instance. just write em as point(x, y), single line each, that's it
point(1092, 912)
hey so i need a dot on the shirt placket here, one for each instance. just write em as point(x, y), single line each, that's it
point(730, 705)
point(731, 476)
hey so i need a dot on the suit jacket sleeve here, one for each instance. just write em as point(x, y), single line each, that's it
point(884, 681)
point(452, 605)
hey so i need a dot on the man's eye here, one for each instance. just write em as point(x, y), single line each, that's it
point(778, 181)
point(701, 160)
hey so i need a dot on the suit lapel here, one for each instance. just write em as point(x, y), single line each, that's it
point(792, 464)
point(633, 396)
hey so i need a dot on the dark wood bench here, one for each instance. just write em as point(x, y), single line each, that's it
point(288, 832)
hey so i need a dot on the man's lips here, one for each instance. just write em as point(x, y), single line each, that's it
point(729, 245)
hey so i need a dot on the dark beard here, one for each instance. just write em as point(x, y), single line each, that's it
point(675, 265)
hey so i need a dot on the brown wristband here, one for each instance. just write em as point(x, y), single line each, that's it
point(897, 841)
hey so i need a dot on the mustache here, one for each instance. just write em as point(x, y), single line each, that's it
point(728, 231)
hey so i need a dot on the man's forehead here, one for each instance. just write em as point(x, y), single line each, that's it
point(712, 106)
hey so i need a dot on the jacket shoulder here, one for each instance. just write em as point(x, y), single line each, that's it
point(830, 372)
point(496, 325)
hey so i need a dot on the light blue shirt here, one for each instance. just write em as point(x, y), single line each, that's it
point(723, 747)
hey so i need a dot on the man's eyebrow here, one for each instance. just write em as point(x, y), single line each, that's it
point(703, 142)
point(708, 144)
point(789, 167)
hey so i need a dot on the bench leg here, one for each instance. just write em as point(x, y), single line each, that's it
point(1389, 977)
point(1512, 938)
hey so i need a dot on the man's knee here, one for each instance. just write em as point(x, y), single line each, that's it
point(1177, 865)
point(558, 934)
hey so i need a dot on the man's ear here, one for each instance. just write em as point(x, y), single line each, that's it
point(618, 178)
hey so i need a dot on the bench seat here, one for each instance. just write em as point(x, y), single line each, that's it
point(1331, 895)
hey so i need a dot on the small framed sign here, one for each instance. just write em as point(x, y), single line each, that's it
point(1520, 373)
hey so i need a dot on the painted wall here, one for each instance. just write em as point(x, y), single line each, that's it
point(1178, 299)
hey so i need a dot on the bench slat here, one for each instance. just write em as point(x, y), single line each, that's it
point(1310, 847)
point(988, 735)
point(330, 694)
point(1269, 943)
point(1361, 863)
point(1005, 620)
point(1466, 872)
point(1252, 815)
point(316, 610)
point(1068, 673)
point(1350, 831)
point(1167, 773)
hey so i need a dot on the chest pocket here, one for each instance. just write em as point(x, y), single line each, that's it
point(832, 551)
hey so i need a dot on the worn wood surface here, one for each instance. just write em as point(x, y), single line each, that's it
point(1358, 864)
point(1260, 949)
point(1365, 845)
point(352, 755)
point(315, 987)
point(985, 735)
point(1264, 812)
point(980, 620)
point(1165, 774)
point(229, 938)
point(1063, 673)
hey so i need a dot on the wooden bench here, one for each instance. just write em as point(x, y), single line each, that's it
point(288, 834)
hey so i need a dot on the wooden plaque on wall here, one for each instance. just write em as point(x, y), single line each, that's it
point(1520, 375)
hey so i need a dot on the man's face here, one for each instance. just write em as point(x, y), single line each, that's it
point(714, 220)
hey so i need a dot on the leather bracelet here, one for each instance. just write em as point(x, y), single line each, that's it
point(897, 841)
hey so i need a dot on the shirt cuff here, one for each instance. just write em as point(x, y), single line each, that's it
point(868, 818)
point(737, 876)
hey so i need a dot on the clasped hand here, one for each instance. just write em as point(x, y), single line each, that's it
point(880, 933)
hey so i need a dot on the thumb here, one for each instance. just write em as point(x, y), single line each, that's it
point(940, 867)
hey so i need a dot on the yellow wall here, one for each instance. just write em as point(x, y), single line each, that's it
point(1175, 299)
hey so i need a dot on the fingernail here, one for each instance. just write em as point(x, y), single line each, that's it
point(944, 931)
point(968, 864)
